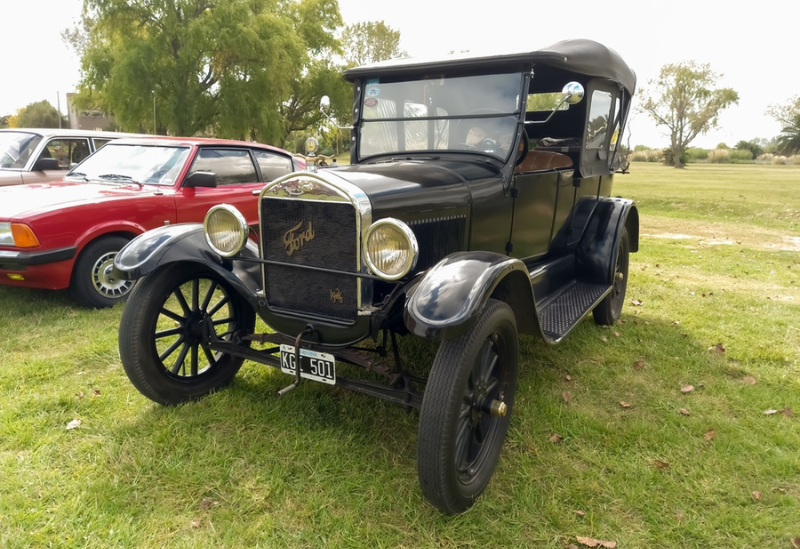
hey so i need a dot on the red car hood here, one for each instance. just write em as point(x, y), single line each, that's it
point(25, 200)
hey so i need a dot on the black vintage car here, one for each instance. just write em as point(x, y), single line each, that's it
point(477, 206)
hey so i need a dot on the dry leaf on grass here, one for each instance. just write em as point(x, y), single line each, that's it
point(679, 516)
point(556, 438)
point(660, 464)
point(638, 365)
point(796, 543)
point(770, 412)
point(568, 377)
point(750, 380)
point(709, 435)
point(207, 503)
point(636, 302)
point(96, 392)
point(617, 334)
point(566, 396)
point(787, 412)
point(718, 348)
point(195, 524)
point(590, 542)
point(684, 411)
point(687, 389)
point(756, 495)
point(624, 404)
point(579, 513)
point(604, 339)
point(74, 424)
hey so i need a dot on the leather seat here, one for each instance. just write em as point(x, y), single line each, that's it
point(543, 160)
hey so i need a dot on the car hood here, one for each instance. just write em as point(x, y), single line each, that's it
point(22, 200)
point(416, 185)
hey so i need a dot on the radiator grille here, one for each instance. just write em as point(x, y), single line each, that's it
point(318, 234)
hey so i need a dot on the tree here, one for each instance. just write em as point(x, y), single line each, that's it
point(753, 146)
point(788, 142)
point(201, 65)
point(685, 100)
point(40, 114)
point(370, 42)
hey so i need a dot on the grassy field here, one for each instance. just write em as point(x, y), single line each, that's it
point(675, 427)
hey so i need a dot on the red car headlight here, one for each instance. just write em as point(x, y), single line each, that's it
point(17, 234)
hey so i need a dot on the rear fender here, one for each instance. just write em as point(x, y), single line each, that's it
point(597, 250)
point(186, 243)
point(451, 295)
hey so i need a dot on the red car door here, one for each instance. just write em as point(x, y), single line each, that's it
point(237, 178)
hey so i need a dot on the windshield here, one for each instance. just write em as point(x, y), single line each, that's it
point(473, 113)
point(16, 148)
point(147, 164)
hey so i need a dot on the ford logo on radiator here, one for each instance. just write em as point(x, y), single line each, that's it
point(294, 240)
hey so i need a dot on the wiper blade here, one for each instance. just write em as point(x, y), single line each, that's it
point(79, 175)
point(115, 176)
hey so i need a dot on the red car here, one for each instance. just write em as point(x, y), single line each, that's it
point(66, 234)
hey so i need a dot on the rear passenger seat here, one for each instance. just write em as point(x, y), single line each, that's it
point(543, 160)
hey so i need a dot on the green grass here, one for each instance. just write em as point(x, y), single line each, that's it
point(321, 467)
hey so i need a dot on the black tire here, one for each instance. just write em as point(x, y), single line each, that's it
point(161, 334)
point(93, 284)
point(607, 312)
point(459, 440)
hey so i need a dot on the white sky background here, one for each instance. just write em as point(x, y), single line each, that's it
point(755, 46)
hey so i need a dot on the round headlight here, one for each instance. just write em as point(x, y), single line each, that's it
point(390, 249)
point(225, 229)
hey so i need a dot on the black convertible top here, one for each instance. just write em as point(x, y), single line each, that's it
point(580, 56)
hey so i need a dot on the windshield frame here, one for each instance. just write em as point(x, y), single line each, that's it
point(478, 113)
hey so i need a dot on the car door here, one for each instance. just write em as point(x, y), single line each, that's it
point(237, 178)
point(67, 150)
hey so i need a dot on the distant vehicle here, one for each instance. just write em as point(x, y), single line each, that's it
point(65, 234)
point(477, 206)
point(42, 155)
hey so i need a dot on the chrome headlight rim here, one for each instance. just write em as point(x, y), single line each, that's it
point(407, 233)
point(240, 225)
point(6, 236)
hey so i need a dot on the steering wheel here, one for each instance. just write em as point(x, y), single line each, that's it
point(465, 125)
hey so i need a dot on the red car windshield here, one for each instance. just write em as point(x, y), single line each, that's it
point(124, 163)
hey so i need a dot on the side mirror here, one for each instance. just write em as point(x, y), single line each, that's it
point(572, 93)
point(201, 179)
point(45, 164)
point(325, 104)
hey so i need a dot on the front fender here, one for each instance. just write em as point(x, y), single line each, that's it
point(449, 298)
point(186, 243)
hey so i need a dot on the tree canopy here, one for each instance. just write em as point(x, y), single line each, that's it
point(685, 99)
point(222, 67)
point(40, 114)
point(370, 42)
point(788, 115)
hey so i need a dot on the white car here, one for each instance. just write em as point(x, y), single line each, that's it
point(43, 155)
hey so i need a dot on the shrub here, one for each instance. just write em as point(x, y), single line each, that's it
point(697, 154)
point(719, 156)
point(739, 156)
point(645, 155)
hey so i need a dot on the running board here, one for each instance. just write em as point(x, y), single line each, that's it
point(568, 306)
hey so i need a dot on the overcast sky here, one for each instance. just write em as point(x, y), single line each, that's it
point(754, 46)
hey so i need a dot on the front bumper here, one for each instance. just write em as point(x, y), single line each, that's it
point(47, 269)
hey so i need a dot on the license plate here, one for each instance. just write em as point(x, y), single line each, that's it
point(313, 365)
